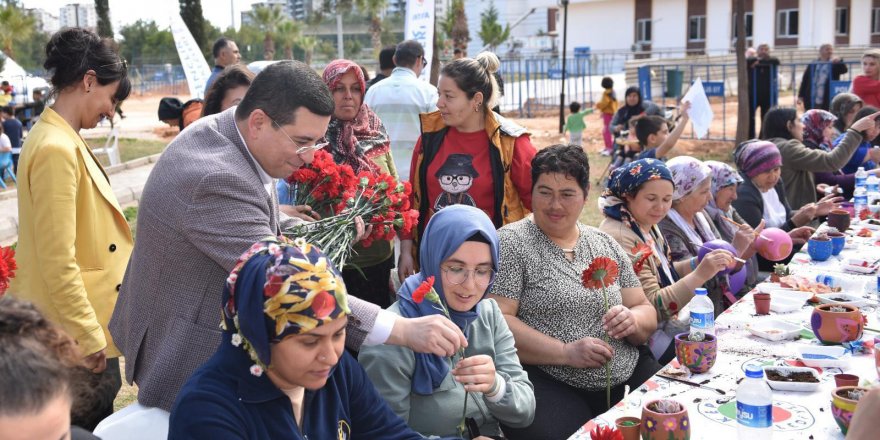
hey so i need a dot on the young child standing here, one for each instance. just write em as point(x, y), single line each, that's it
point(608, 106)
point(575, 125)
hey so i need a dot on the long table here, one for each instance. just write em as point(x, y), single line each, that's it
point(796, 415)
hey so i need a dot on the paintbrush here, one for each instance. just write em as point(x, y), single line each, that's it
point(693, 384)
point(739, 225)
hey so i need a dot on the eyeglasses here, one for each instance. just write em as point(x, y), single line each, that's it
point(483, 276)
point(123, 62)
point(301, 149)
point(461, 180)
point(424, 62)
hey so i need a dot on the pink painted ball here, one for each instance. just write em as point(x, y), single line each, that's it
point(774, 244)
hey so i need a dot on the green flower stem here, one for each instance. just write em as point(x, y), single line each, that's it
point(607, 364)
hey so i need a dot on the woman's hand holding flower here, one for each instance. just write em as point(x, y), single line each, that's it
point(619, 322)
point(587, 353)
point(477, 373)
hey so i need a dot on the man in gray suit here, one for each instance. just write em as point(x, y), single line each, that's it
point(208, 199)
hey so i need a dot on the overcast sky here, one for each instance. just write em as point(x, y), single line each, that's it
point(122, 12)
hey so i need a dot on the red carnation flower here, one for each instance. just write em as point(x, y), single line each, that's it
point(605, 433)
point(419, 294)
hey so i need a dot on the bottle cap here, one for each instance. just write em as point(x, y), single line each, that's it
point(754, 371)
point(700, 291)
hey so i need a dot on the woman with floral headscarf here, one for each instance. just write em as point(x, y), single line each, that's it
point(281, 370)
point(460, 251)
point(638, 196)
point(687, 226)
point(356, 137)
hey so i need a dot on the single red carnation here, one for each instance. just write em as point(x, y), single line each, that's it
point(419, 294)
point(605, 433)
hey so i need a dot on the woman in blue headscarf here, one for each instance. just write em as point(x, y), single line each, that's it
point(284, 313)
point(459, 251)
point(638, 196)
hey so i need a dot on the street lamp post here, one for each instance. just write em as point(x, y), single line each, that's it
point(564, 41)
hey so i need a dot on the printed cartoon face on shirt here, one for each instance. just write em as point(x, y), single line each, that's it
point(456, 177)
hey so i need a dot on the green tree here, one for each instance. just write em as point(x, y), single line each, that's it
point(15, 26)
point(374, 10)
point(491, 31)
point(143, 43)
point(308, 43)
point(191, 12)
point(288, 35)
point(31, 53)
point(457, 26)
point(105, 28)
point(267, 19)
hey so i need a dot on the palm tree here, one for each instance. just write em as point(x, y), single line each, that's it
point(374, 9)
point(308, 44)
point(15, 26)
point(267, 19)
point(288, 34)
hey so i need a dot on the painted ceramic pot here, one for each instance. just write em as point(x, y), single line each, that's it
point(839, 219)
point(698, 357)
point(836, 326)
point(819, 250)
point(838, 241)
point(843, 408)
point(774, 244)
point(660, 426)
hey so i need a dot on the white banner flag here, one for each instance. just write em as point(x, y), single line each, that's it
point(194, 65)
point(419, 26)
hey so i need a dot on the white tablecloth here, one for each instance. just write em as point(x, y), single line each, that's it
point(796, 415)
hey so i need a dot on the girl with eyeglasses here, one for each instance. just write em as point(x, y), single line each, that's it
point(460, 251)
point(74, 242)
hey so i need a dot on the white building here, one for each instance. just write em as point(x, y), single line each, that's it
point(706, 26)
point(45, 21)
point(78, 15)
point(535, 19)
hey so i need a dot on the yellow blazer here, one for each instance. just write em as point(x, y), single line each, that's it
point(73, 243)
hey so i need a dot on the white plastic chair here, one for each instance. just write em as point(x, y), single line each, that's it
point(111, 147)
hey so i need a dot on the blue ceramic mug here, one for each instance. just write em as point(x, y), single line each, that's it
point(838, 241)
point(819, 250)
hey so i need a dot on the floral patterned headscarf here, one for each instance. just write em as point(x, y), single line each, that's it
point(277, 289)
point(687, 174)
point(354, 142)
point(815, 122)
point(723, 175)
point(626, 181)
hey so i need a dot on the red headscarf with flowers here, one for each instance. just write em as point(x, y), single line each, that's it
point(354, 142)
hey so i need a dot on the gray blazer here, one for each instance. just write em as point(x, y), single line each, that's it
point(202, 207)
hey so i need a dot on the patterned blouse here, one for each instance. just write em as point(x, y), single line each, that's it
point(552, 300)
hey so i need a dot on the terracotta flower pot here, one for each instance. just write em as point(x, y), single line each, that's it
point(839, 218)
point(629, 427)
point(846, 380)
point(843, 408)
point(660, 426)
point(698, 357)
point(832, 327)
point(819, 250)
point(762, 303)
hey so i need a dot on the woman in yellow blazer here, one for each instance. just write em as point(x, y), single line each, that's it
point(74, 243)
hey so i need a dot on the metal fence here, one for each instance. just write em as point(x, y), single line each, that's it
point(158, 78)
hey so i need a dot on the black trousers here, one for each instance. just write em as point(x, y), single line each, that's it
point(371, 283)
point(763, 102)
point(94, 395)
point(562, 409)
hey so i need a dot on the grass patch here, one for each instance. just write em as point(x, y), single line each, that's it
point(129, 148)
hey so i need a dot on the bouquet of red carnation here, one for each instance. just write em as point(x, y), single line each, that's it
point(379, 199)
point(322, 183)
point(7, 267)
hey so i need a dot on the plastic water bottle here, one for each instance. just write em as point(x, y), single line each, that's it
point(754, 406)
point(828, 280)
point(860, 200)
point(861, 177)
point(702, 315)
point(873, 184)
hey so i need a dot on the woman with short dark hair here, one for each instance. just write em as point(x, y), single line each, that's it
point(228, 89)
point(561, 326)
